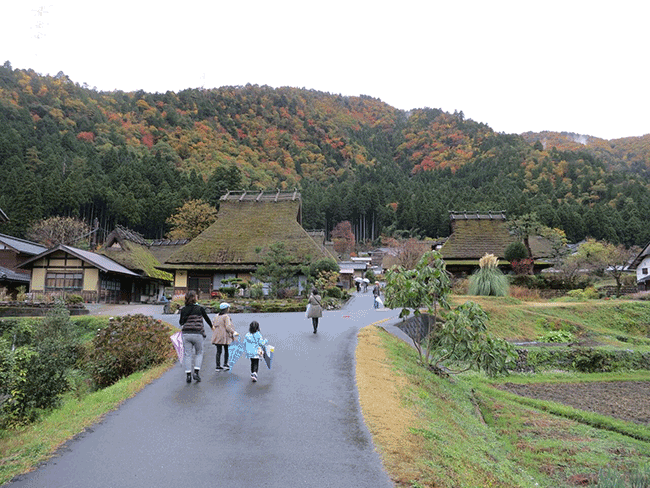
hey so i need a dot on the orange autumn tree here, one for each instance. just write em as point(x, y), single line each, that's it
point(343, 238)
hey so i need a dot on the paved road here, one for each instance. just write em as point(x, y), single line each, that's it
point(300, 425)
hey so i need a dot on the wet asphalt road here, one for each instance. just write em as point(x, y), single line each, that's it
point(300, 425)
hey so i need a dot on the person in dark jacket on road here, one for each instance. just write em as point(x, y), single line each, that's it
point(191, 321)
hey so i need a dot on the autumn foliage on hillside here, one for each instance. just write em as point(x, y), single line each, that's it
point(135, 159)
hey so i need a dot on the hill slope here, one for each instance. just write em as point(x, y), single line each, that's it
point(134, 158)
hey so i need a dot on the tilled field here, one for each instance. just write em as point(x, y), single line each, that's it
point(624, 400)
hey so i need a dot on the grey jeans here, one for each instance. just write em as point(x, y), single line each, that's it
point(192, 343)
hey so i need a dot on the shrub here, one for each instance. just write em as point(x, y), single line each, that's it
point(370, 274)
point(36, 365)
point(257, 290)
point(130, 343)
point(73, 299)
point(516, 251)
point(592, 361)
point(334, 292)
point(556, 336)
point(588, 293)
point(229, 291)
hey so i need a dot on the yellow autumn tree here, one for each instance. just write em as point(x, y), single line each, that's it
point(191, 219)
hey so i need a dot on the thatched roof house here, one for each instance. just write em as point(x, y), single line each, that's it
point(237, 242)
point(132, 251)
point(474, 234)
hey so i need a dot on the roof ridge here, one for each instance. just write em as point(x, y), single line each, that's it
point(261, 195)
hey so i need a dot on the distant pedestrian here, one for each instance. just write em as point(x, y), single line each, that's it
point(223, 334)
point(358, 287)
point(191, 321)
point(315, 308)
point(254, 343)
point(376, 292)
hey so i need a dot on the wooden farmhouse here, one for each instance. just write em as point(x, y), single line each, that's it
point(238, 241)
point(67, 270)
point(13, 252)
point(132, 251)
point(641, 264)
point(475, 234)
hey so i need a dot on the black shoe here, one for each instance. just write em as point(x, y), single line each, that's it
point(189, 377)
point(197, 378)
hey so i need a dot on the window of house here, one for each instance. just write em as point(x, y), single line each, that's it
point(108, 284)
point(64, 281)
point(644, 271)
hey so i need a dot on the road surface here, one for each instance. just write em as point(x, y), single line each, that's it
point(300, 425)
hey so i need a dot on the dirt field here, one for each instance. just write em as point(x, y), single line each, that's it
point(624, 400)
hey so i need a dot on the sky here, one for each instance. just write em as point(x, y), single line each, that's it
point(515, 65)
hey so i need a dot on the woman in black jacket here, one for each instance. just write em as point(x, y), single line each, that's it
point(192, 316)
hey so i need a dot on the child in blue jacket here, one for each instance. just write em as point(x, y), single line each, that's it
point(254, 342)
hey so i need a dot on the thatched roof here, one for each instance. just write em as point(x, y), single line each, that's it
point(246, 226)
point(162, 249)
point(132, 251)
point(476, 234)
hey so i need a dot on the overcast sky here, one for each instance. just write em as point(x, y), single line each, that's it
point(521, 65)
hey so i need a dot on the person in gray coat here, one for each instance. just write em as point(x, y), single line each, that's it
point(315, 308)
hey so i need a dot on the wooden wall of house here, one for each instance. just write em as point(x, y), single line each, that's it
point(9, 258)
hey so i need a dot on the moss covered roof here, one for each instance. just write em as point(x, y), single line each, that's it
point(163, 248)
point(475, 236)
point(134, 256)
point(245, 226)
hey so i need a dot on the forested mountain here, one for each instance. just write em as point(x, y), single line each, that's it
point(134, 158)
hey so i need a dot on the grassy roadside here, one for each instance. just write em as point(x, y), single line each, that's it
point(23, 449)
point(471, 434)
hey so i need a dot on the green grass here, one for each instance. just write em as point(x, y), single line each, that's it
point(26, 447)
point(477, 436)
point(460, 449)
point(614, 323)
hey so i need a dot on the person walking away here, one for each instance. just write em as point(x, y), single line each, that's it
point(191, 321)
point(223, 334)
point(315, 308)
point(254, 342)
point(376, 291)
